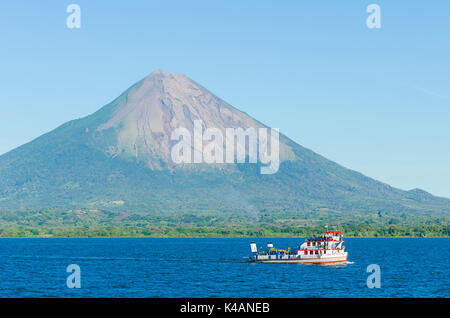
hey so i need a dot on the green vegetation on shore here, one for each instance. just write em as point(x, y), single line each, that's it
point(361, 230)
point(98, 223)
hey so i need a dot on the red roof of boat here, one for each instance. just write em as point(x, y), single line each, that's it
point(333, 232)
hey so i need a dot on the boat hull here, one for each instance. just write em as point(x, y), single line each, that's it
point(332, 259)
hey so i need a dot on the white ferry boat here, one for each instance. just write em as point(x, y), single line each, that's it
point(324, 249)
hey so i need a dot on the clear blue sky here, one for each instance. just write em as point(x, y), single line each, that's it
point(376, 101)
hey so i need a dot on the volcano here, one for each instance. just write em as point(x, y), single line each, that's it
point(119, 159)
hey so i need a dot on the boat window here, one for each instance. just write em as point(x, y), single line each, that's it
point(317, 252)
point(309, 244)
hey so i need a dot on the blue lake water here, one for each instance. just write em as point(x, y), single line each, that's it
point(155, 267)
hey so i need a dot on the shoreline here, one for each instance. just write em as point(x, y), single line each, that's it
point(205, 237)
point(230, 231)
